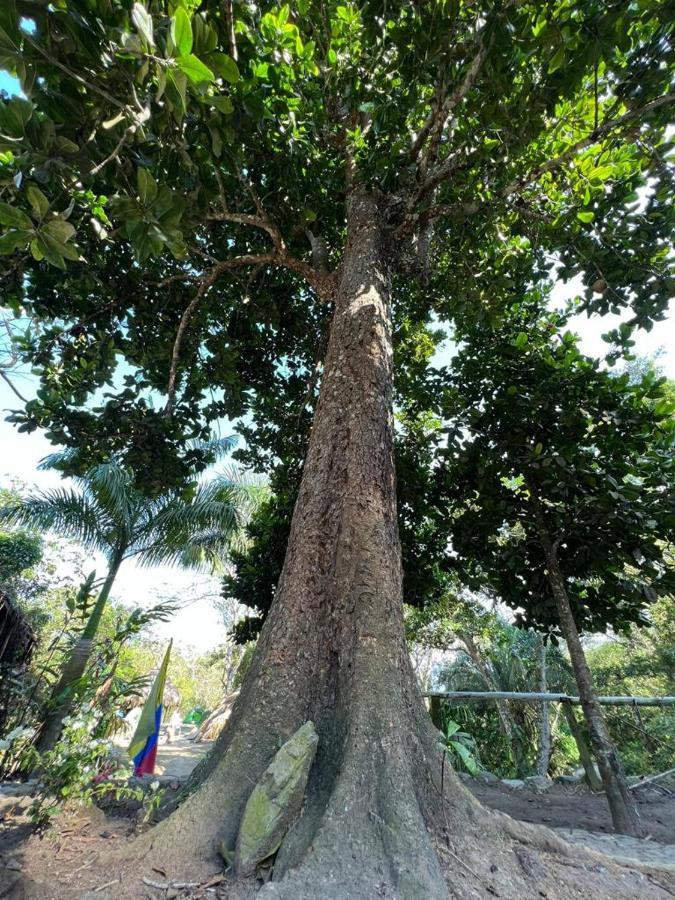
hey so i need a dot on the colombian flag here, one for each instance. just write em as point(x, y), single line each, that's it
point(143, 747)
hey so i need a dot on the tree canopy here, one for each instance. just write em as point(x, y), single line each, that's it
point(174, 182)
point(536, 421)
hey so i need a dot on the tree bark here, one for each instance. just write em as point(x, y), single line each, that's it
point(333, 650)
point(585, 756)
point(64, 691)
point(544, 746)
point(622, 808)
point(333, 647)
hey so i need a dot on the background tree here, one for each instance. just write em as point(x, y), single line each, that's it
point(457, 144)
point(19, 550)
point(509, 660)
point(105, 513)
point(558, 474)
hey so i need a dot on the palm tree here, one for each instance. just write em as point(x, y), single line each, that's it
point(107, 514)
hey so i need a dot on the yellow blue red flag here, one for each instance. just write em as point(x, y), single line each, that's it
point(143, 746)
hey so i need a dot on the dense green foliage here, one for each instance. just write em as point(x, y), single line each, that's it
point(143, 151)
point(533, 420)
point(18, 551)
point(639, 663)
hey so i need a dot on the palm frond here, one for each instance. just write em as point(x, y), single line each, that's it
point(57, 461)
point(247, 491)
point(64, 511)
point(112, 486)
point(205, 551)
point(178, 524)
point(215, 448)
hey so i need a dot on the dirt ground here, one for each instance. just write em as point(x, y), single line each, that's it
point(573, 806)
point(65, 863)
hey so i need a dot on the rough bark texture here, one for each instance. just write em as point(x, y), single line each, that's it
point(63, 695)
point(622, 808)
point(333, 647)
point(332, 650)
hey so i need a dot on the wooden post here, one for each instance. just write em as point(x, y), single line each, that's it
point(435, 712)
point(592, 776)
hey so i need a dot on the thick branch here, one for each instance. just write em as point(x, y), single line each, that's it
point(256, 222)
point(323, 284)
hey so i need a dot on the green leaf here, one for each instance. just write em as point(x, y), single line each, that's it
point(222, 103)
point(147, 186)
point(54, 250)
point(195, 69)
point(216, 141)
point(58, 229)
point(602, 173)
point(15, 218)
point(585, 215)
point(12, 240)
point(143, 22)
point(181, 31)
point(451, 728)
point(520, 340)
point(176, 90)
point(466, 757)
point(38, 201)
point(225, 66)
point(557, 60)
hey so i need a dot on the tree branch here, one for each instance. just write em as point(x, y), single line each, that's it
point(231, 38)
point(6, 378)
point(443, 115)
point(74, 75)
point(550, 165)
point(519, 184)
point(323, 284)
point(256, 222)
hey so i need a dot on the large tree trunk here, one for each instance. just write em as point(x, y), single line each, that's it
point(333, 651)
point(621, 805)
point(65, 690)
point(333, 647)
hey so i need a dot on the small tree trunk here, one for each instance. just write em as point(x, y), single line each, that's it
point(64, 691)
point(544, 748)
point(622, 808)
point(586, 758)
point(506, 721)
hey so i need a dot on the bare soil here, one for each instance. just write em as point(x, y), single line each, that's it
point(574, 806)
point(69, 862)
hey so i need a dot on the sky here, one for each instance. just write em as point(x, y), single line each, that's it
point(198, 624)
